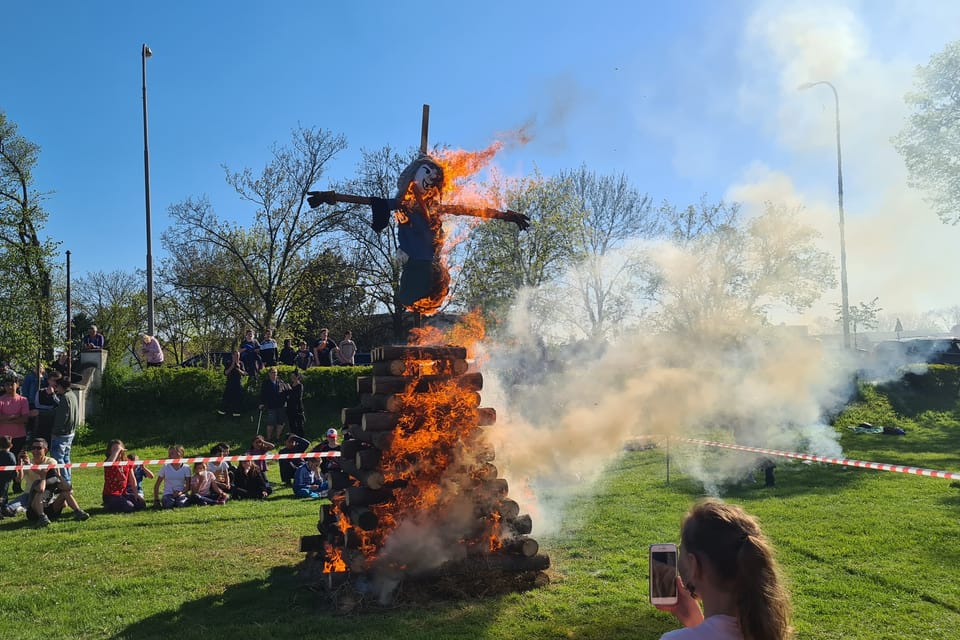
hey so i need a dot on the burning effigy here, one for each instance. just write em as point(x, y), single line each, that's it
point(422, 201)
point(415, 497)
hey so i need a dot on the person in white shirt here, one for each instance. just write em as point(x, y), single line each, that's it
point(174, 477)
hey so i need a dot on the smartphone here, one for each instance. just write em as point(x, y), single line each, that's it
point(663, 574)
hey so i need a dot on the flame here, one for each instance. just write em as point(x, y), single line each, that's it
point(333, 562)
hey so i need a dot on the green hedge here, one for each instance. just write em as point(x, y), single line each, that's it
point(188, 389)
point(937, 388)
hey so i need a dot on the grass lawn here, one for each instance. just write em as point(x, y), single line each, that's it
point(867, 554)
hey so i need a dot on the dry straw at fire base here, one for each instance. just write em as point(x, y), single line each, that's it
point(414, 451)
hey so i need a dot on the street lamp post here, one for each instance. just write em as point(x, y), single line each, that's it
point(844, 296)
point(145, 53)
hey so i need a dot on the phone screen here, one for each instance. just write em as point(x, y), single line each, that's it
point(663, 575)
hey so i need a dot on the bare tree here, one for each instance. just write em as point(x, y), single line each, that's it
point(256, 272)
point(116, 301)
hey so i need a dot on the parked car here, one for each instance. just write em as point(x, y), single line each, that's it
point(918, 350)
point(210, 359)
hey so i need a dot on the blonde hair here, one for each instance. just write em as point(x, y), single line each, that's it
point(742, 558)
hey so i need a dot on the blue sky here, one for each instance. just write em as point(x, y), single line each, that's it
point(686, 98)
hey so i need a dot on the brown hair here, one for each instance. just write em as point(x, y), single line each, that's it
point(743, 560)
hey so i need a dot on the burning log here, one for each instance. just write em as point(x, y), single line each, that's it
point(364, 384)
point(387, 421)
point(312, 544)
point(399, 384)
point(395, 402)
point(363, 497)
point(454, 367)
point(337, 480)
point(371, 478)
point(379, 439)
point(363, 518)
point(379, 354)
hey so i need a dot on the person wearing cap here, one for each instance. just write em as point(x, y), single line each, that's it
point(329, 444)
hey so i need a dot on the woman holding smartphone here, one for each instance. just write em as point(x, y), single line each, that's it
point(727, 562)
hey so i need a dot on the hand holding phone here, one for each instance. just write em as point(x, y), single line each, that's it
point(663, 574)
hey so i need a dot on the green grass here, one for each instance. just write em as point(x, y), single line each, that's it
point(867, 554)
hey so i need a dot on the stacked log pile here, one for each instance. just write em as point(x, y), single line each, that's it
point(415, 493)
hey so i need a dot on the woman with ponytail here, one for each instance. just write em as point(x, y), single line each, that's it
point(727, 563)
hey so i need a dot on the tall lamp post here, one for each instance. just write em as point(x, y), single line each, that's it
point(844, 296)
point(145, 53)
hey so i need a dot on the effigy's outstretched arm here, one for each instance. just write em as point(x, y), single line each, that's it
point(316, 198)
point(518, 219)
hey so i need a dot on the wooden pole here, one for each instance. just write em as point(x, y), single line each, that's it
point(424, 128)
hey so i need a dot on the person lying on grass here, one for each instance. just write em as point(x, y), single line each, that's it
point(727, 563)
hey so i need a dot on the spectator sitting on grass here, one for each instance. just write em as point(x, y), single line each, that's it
point(221, 470)
point(140, 471)
point(174, 477)
point(727, 562)
point(203, 487)
point(119, 482)
point(307, 482)
point(288, 467)
point(48, 491)
point(259, 446)
point(248, 482)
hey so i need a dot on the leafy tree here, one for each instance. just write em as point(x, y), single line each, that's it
point(862, 316)
point(499, 260)
point(930, 141)
point(256, 273)
point(26, 269)
point(726, 277)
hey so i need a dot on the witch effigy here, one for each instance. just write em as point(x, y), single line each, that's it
point(419, 209)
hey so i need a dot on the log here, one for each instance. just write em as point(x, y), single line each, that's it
point(363, 497)
point(315, 544)
point(368, 458)
point(395, 402)
point(351, 447)
point(453, 367)
point(379, 354)
point(398, 384)
point(380, 421)
point(484, 471)
point(508, 509)
point(521, 525)
point(486, 416)
point(494, 487)
point(363, 518)
point(379, 439)
point(337, 480)
point(371, 478)
point(522, 546)
point(351, 415)
point(364, 384)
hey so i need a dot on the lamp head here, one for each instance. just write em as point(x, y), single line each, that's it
point(806, 85)
point(146, 51)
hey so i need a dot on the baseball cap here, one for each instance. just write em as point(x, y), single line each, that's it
point(331, 432)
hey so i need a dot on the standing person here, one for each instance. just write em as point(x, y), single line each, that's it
point(323, 349)
point(232, 401)
point(14, 413)
point(304, 357)
point(174, 477)
point(119, 482)
point(64, 425)
point(93, 341)
point(250, 357)
point(45, 402)
point(7, 459)
point(288, 355)
point(346, 350)
point(151, 351)
point(293, 396)
point(272, 397)
point(727, 562)
point(268, 349)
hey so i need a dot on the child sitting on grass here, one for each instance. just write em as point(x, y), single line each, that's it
point(203, 486)
point(174, 477)
point(307, 482)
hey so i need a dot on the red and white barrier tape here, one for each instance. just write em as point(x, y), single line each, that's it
point(217, 459)
point(861, 464)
